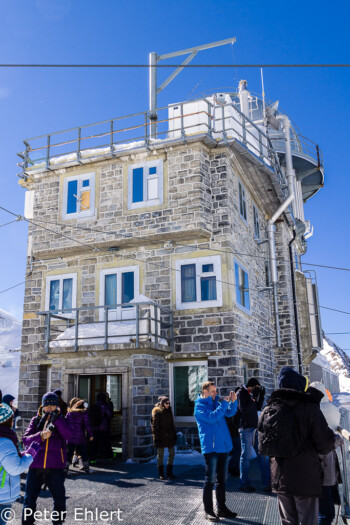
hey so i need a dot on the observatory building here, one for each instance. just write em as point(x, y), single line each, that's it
point(165, 252)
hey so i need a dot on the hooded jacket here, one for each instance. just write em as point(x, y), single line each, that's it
point(248, 408)
point(213, 431)
point(79, 423)
point(12, 466)
point(301, 475)
point(52, 452)
point(163, 427)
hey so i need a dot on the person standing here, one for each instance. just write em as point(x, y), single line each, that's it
point(100, 418)
point(164, 435)
point(250, 400)
point(78, 420)
point(216, 444)
point(12, 463)
point(51, 431)
point(9, 400)
point(329, 462)
point(293, 431)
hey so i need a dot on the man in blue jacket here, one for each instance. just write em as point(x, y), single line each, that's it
point(216, 443)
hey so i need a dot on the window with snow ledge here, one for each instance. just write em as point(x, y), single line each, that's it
point(61, 293)
point(198, 283)
point(119, 286)
point(79, 196)
point(242, 287)
point(145, 184)
point(242, 202)
point(186, 379)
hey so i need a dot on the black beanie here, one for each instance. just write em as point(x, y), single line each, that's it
point(252, 382)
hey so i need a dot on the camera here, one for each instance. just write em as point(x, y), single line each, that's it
point(51, 419)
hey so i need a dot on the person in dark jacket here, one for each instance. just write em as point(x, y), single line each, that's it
point(250, 400)
point(62, 404)
point(9, 400)
point(297, 480)
point(164, 435)
point(78, 419)
point(100, 420)
point(51, 431)
point(210, 412)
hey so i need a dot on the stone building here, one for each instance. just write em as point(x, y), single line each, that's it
point(151, 260)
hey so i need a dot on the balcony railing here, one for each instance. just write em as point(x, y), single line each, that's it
point(137, 323)
point(184, 121)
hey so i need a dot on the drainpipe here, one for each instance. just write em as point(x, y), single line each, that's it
point(272, 250)
point(296, 319)
point(290, 172)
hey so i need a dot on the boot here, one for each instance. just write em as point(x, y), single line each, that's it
point(75, 460)
point(85, 467)
point(169, 472)
point(161, 472)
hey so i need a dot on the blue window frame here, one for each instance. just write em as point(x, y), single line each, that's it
point(61, 292)
point(111, 289)
point(128, 287)
point(198, 283)
point(79, 196)
point(256, 223)
point(145, 184)
point(242, 287)
point(119, 286)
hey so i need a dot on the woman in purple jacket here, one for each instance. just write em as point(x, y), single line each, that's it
point(78, 419)
point(51, 430)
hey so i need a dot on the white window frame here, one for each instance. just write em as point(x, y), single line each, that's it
point(184, 419)
point(198, 261)
point(84, 213)
point(244, 196)
point(60, 278)
point(256, 223)
point(118, 271)
point(238, 305)
point(158, 164)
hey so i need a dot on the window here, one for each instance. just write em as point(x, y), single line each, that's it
point(256, 223)
point(61, 292)
point(242, 288)
point(79, 196)
point(186, 380)
point(118, 286)
point(145, 184)
point(198, 283)
point(242, 202)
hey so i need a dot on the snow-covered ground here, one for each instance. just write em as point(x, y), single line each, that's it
point(10, 343)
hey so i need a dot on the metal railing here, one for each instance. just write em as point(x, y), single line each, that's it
point(136, 323)
point(107, 139)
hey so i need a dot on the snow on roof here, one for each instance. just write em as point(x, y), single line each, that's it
point(339, 362)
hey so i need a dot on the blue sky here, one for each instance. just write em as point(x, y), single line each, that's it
point(37, 101)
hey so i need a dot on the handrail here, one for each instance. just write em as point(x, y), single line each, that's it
point(148, 320)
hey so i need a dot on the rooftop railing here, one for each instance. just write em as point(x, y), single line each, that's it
point(125, 323)
point(183, 121)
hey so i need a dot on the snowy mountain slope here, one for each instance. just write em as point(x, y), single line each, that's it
point(339, 362)
point(10, 341)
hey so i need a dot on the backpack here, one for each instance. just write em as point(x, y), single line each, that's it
point(278, 429)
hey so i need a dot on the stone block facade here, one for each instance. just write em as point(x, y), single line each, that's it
point(199, 217)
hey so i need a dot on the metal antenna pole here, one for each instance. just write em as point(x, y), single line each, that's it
point(154, 58)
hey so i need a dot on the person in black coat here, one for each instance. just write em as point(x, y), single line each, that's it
point(164, 435)
point(297, 480)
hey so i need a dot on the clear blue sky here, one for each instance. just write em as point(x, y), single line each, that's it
point(34, 102)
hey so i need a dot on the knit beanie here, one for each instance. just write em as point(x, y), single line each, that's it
point(252, 382)
point(6, 413)
point(58, 392)
point(289, 378)
point(50, 398)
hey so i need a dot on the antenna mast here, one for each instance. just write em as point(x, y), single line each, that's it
point(153, 61)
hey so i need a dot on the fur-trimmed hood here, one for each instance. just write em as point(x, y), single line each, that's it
point(158, 408)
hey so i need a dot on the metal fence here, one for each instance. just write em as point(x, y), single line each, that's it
point(107, 139)
point(126, 323)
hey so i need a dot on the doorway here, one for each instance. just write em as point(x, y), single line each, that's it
point(89, 386)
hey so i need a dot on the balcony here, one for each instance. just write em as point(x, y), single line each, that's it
point(127, 325)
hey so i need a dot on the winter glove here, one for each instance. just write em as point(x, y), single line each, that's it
point(33, 449)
